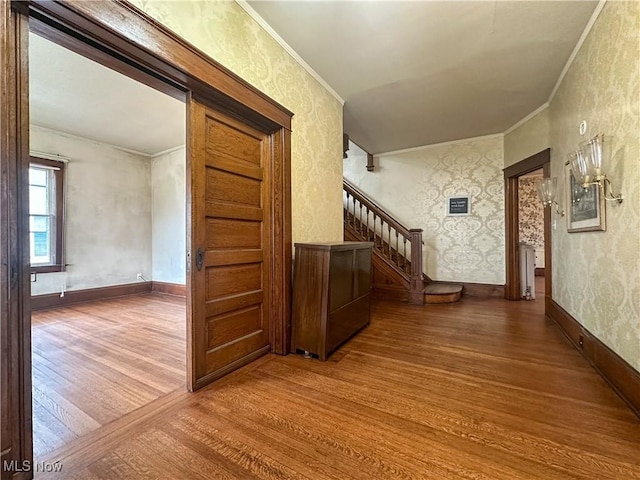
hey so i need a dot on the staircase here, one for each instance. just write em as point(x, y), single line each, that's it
point(397, 252)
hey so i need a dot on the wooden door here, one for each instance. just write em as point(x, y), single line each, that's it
point(229, 260)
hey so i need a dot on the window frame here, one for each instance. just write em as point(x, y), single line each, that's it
point(59, 176)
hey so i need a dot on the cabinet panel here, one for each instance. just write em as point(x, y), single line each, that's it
point(363, 272)
point(341, 279)
point(331, 295)
point(346, 321)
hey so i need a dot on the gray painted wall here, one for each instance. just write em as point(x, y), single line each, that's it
point(168, 217)
point(108, 214)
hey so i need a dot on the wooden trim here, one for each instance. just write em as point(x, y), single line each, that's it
point(540, 272)
point(15, 333)
point(481, 289)
point(512, 240)
point(50, 300)
point(370, 164)
point(548, 257)
point(528, 165)
point(176, 289)
point(282, 242)
point(416, 284)
point(622, 377)
point(59, 176)
point(512, 228)
point(390, 293)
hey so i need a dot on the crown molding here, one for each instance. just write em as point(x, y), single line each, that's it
point(267, 28)
point(527, 118)
point(583, 37)
point(443, 144)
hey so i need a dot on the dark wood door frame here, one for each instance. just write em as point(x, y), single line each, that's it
point(126, 39)
point(512, 224)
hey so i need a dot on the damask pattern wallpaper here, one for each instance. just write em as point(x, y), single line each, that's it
point(531, 212)
point(596, 275)
point(229, 35)
point(414, 187)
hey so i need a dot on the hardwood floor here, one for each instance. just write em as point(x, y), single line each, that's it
point(95, 362)
point(480, 389)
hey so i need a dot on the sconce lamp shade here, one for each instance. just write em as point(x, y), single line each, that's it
point(595, 154)
point(579, 166)
point(547, 188)
point(589, 166)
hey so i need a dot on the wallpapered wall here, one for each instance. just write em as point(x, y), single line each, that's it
point(230, 36)
point(414, 187)
point(531, 212)
point(528, 139)
point(596, 275)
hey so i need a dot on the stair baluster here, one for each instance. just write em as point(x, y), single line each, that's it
point(410, 269)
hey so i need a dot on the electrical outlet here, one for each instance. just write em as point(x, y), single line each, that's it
point(139, 276)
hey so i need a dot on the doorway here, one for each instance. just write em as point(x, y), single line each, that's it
point(539, 163)
point(126, 40)
point(107, 240)
point(531, 231)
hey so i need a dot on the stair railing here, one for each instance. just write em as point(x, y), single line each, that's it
point(399, 246)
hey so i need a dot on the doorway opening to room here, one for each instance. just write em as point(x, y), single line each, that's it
point(528, 231)
point(107, 205)
point(531, 237)
point(238, 217)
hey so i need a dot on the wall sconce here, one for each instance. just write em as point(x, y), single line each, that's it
point(589, 165)
point(547, 188)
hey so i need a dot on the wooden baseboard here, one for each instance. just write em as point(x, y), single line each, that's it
point(623, 378)
point(481, 289)
point(169, 288)
point(40, 302)
point(390, 293)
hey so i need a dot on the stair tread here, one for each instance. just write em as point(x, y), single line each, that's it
point(442, 288)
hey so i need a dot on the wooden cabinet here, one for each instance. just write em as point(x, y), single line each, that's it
point(331, 295)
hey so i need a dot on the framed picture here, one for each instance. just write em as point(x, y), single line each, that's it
point(458, 205)
point(585, 207)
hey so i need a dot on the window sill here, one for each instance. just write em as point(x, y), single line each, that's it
point(47, 269)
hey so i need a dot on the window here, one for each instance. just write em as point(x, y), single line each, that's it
point(46, 215)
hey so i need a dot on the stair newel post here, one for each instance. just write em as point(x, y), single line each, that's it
point(416, 288)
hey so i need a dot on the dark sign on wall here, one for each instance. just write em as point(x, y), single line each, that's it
point(459, 205)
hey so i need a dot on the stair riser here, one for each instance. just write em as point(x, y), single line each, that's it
point(442, 298)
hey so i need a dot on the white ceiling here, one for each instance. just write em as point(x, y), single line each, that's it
point(419, 73)
point(69, 93)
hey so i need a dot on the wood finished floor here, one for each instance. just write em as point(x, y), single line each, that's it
point(95, 362)
point(482, 389)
